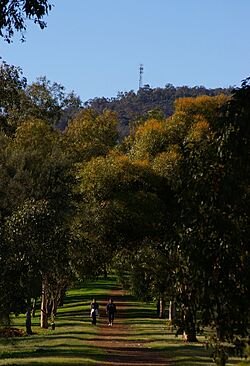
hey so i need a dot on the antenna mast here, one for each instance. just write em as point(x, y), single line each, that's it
point(140, 77)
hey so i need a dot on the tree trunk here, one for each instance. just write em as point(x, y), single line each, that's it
point(28, 321)
point(33, 310)
point(189, 327)
point(44, 305)
point(171, 311)
point(219, 323)
point(161, 308)
point(105, 272)
point(190, 335)
point(4, 318)
point(49, 306)
point(62, 295)
point(54, 308)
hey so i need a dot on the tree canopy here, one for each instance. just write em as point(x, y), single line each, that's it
point(14, 14)
point(167, 207)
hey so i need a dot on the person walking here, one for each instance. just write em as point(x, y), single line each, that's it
point(111, 310)
point(94, 311)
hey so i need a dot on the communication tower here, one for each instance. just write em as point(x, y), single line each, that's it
point(140, 77)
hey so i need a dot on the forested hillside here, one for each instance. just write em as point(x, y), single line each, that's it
point(132, 105)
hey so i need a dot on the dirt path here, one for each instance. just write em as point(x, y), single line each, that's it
point(114, 340)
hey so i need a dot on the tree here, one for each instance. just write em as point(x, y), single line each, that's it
point(13, 14)
point(147, 271)
point(12, 83)
point(42, 99)
point(91, 134)
point(182, 149)
point(118, 202)
point(36, 219)
point(48, 101)
point(230, 224)
point(212, 225)
point(37, 256)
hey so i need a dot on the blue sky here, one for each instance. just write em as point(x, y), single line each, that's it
point(95, 46)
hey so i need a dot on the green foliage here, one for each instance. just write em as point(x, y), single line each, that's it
point(91, 134)
point(28, 251)
point(120, 198)
point(189, 149)
point(15, 12)
point(147, 271)
point(35, 213)
point(212, 232)
point(37, 164)
point(42, 99)
point(11, 85)
point(49, 101)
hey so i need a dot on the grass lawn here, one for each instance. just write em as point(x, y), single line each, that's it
point(155, 334)
point(68, 343)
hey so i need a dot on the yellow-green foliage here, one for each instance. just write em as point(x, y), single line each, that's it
point(90, 134)
point(102, 176)
point(199, 130)
point(160, 141)
point(166, 163)
point(203, 105)
point(148, 139)
point(34, 134)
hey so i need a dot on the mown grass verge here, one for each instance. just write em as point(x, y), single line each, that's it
point(68, 343)
point(155, 334)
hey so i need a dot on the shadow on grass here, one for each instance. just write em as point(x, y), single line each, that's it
point(151, 333)
point(77, 300)
point(48, 337)
point(151, 322)
point(71, 313)
point(72, 351)
point(137, 355)
point(188, 362)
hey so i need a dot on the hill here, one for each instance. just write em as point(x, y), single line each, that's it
point(131, 105)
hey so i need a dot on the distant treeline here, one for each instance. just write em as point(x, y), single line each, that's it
point(131, 105)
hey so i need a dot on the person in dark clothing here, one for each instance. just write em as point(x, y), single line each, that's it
point(111, 310)
point(94, 308)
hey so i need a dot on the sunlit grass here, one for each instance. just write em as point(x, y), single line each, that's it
point(155, 334)
point(68, 343)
